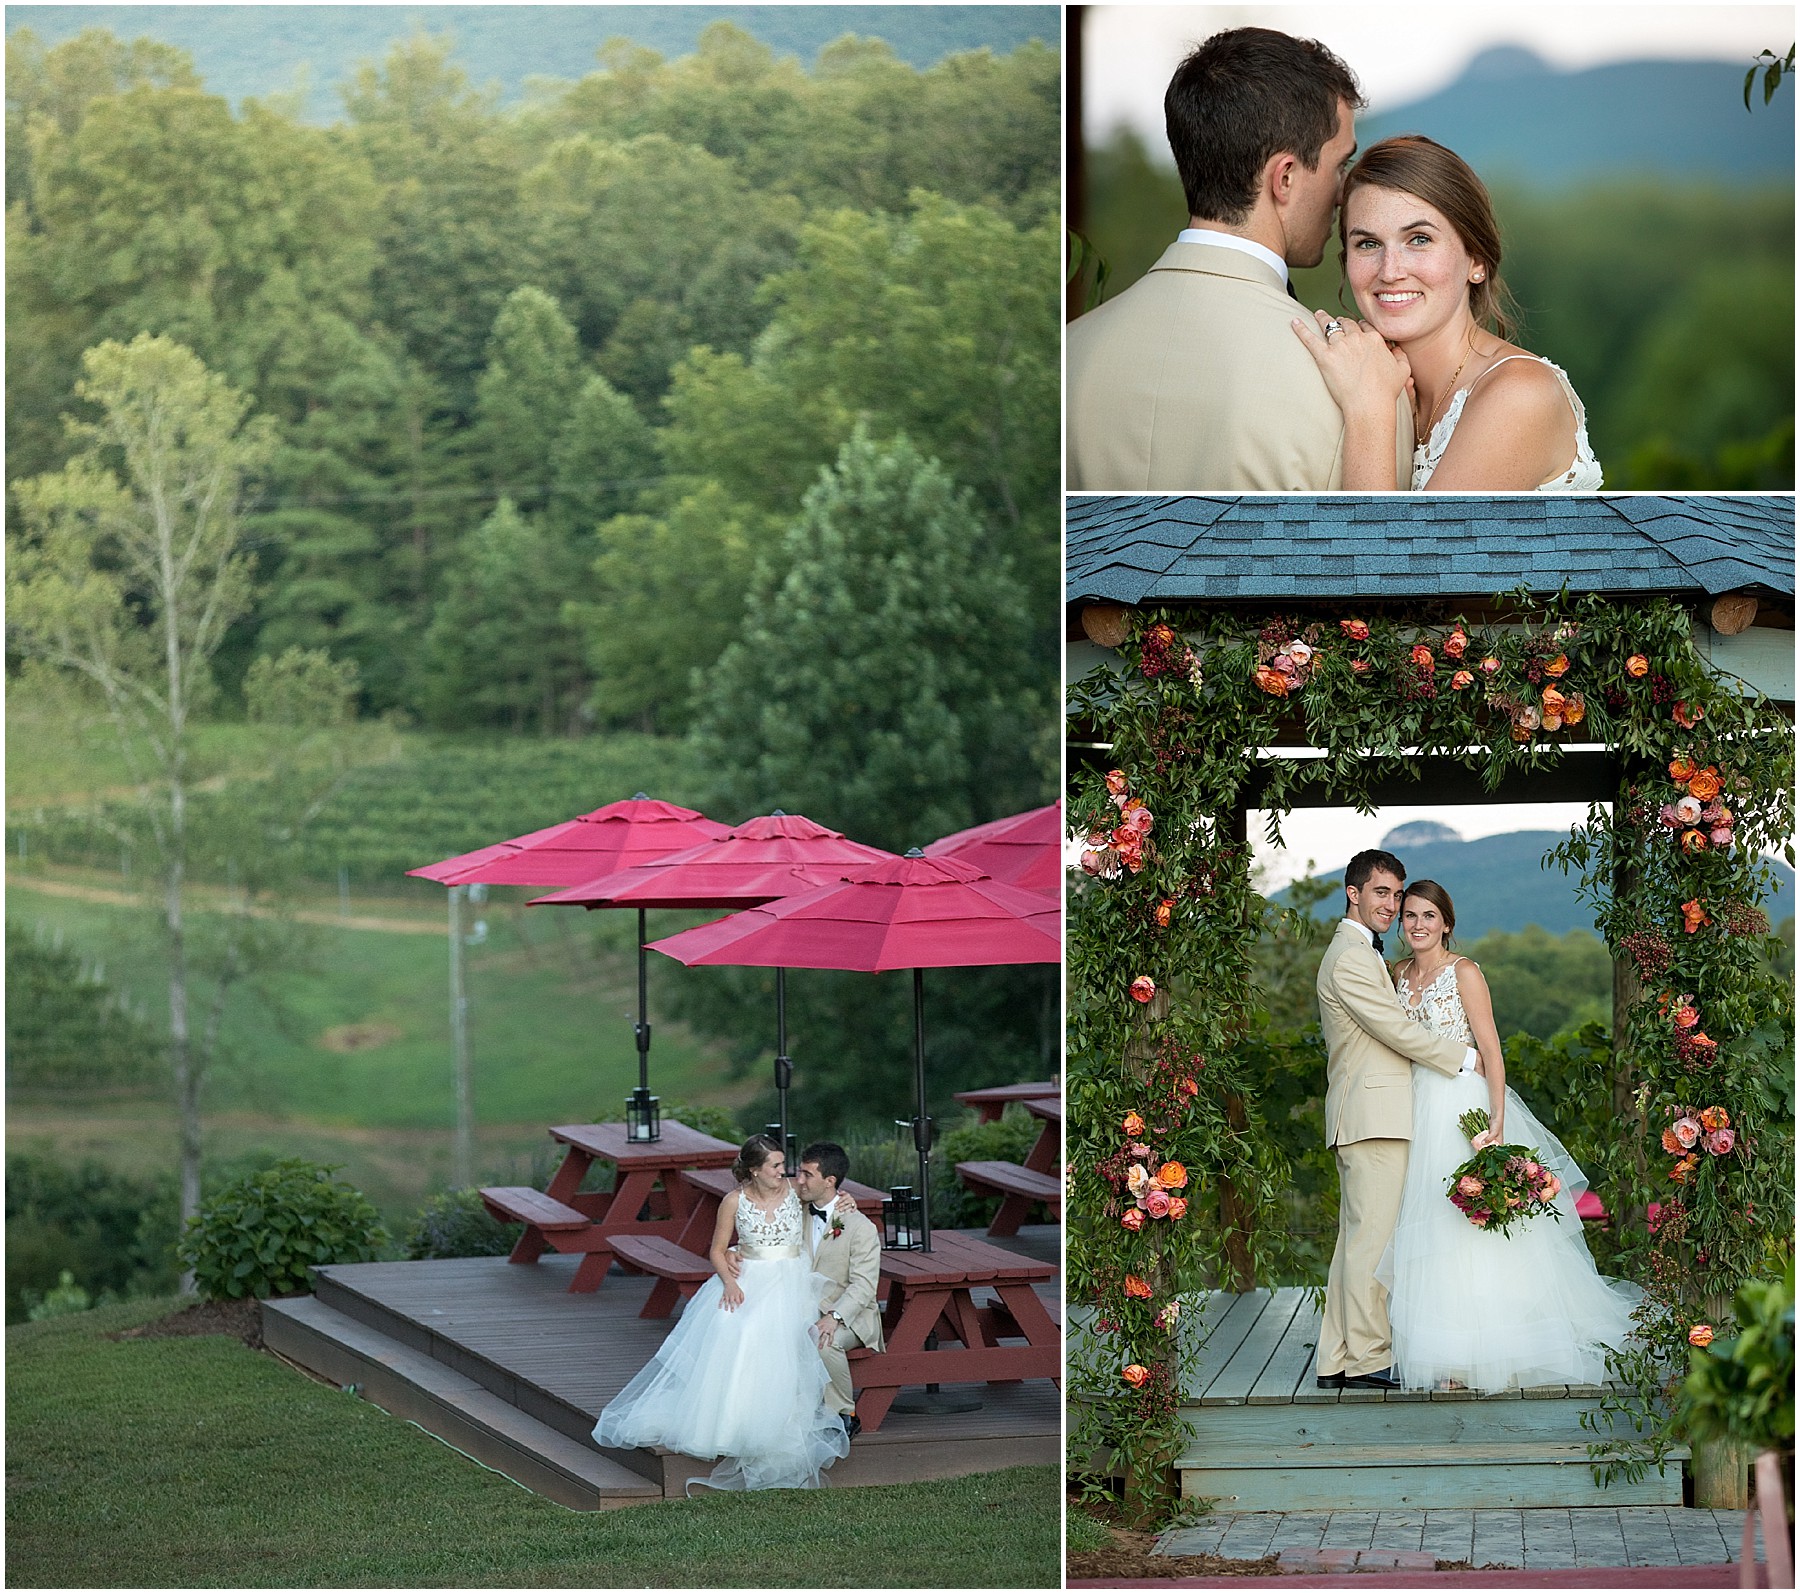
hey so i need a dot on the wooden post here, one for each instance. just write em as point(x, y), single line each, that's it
point(1627, 992)
point(462, 1150)
point(1721, 1469)
point(1236, 1218)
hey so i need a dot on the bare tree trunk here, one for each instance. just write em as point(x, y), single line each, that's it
point(181, 1050)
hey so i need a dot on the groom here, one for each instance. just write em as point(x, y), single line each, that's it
point(1371, 1046)
point(1192, 378)
point(845, 1247)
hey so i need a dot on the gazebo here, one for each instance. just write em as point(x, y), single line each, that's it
point(1179, 609)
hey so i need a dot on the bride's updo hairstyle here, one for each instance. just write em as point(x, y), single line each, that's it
point(1414, 164)
point(752, 1155)
point(1438, 897)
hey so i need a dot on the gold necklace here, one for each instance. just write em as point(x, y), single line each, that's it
point(1423, 428)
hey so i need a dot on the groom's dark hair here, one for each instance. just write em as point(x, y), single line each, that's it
point(1244, 96)
point(1364, 864)
point(833, 1160)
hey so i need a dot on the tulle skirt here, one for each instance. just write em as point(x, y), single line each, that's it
point(1492, 1311)
point(747, 1385)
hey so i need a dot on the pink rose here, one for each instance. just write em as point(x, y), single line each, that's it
point(1489, 665)
point(1722, 836)
point(1156, 1203)
point(1669, 817)
point(1470, 1185)
point(1139, 821)
point(1299, 652)
point(1356, 630)
point(1115, 781)
point(1721, 1141)
point(1283, 665)
point(1133, 1219)
point(1143, 988)
point(1687, 809)
point(1552, 1187)
point(1138, 1149)
point(1687, 1131)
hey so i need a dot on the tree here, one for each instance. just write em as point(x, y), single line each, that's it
point(525, 395)
point(128, 571)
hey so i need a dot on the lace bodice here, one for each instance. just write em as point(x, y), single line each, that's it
point(1439, 1006)
point(765, 1231)
point(1583, 474)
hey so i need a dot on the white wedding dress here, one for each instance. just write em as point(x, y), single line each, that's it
point(1583, 474)
point(1487, 1310)
point(746, 1385)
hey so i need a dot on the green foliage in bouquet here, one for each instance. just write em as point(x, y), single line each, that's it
point(1501, 1185)
point(1743, 1388)
point(260, 1234)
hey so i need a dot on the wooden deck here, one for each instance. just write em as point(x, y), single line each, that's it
point(1268, 1439)
point(507, 1364)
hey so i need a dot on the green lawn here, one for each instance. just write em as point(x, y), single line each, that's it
point(199, 1463)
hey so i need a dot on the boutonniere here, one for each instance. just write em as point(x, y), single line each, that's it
point(837, 1224)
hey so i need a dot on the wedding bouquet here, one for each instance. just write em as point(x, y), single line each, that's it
point(1501, 1185)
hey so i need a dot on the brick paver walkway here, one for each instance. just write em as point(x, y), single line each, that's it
point(1535, 1540)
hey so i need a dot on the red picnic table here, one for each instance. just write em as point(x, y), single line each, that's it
point(1020, 1184)
point(935, 1290)
point(648, 1197)
point(989, 1103)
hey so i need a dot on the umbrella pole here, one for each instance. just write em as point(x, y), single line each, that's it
point(784, 1067)
point(921, 1123)
point(643, 1023)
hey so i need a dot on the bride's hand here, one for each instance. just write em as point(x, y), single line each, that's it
point(1362, 373)
point(732, 1297)
point(846, 1202)
point(1491, 1136)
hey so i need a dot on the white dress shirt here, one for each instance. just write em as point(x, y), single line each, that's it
point(1230, 240)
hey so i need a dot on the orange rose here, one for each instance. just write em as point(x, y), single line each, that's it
point(1133, 1219)
point(1686, 1017)
point(1360, 666)
point(1687, 715)
point(1701, 1335)
point(1164, 911)
point(1177, 1207)
point(1143, 988)
point(1422, 657)
point(1694, 916)
point(1714, 1119)
point(1171, 1176)
point(1682, 770)
point(1133, 1125)
point(1115, 781)
point(1461, 680)
point(1574, 709)
point(1553, 700)
point(1637, 666)
point(1161, 634)
point(1138, 1289)
point(1693, 841)
point(1456, 644)
point(1272, 681)
point(1136, 1375)
point(1705, 784)
point(1669, 1144)
point(1356, 630)
point(1557, 666)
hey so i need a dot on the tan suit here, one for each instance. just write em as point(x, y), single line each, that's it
point(1370, 1046)
point(852, 1264)
point(1192, 380)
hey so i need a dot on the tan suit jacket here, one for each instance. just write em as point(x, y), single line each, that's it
point(1371, 1045)
point(1192, 380)
point(852, 1263)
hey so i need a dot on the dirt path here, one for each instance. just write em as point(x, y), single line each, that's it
point(211, 899)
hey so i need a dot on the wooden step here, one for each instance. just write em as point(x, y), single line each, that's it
point(462, 1413)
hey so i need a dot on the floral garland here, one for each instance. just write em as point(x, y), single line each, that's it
point(1163, 922)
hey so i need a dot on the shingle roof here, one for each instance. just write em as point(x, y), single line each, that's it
point(1164, 549)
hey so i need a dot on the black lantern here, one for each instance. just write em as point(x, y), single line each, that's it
point(903, 1220)
point(643, 1117)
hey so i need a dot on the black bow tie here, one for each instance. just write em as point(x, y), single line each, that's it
point(819, 1212)
point(1375, 937)
point(1290, 290)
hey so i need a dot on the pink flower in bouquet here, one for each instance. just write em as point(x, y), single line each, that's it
point(1721, 837)
point(1469, 1185)
point(1356, 630)
point(1669, 817)
point(1138, 1149)
point(1721, 1141)
point(1687, 1131)
point(1177, 1207)
point(1165, 1319)
point(1156, 1203)
point(1489, 665)
point(1133, 1219)
point(1143, 988)
point(1686, 1014)
point(1300, 653)
point(1701, 1335)
point(1283, 664)
point(1687, 810)
point(1115, 781)
point(1480, 1218)
point(1552, 1186)
point(1139, 821)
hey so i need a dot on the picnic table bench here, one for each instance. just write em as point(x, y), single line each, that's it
point(1020, 1185)
point(648, 1197)
point(992, 1100)
point(935, 1292)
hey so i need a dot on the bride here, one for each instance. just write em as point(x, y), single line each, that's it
point(740, 1376)
point(1480, 1310)
point(1421, 253)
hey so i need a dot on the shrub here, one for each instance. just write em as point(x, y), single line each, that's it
point(714, 1121)
point(456, 1223)
point(259, 1234)
point(66, 1030)
point(1008, 1139)
point(68, 1297)
point(110, 1231)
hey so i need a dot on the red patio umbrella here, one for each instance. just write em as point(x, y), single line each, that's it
point(773, 856)
point(1024, 850)
point(911, 913)
point(616, 836)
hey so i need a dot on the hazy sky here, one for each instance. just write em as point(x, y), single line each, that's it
point(1403, 52)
